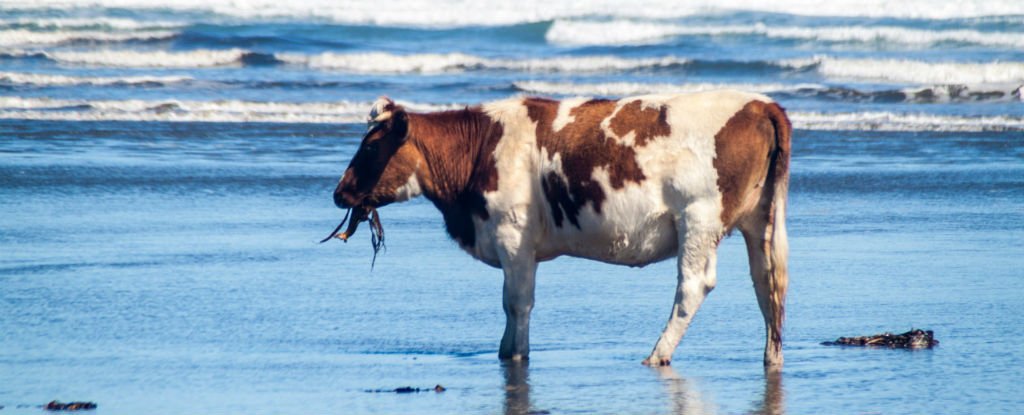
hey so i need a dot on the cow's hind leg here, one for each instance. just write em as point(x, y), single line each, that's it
point(698, 241)
point(765, 235)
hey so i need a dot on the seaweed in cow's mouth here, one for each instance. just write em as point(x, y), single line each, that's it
point(335, 231)
point(361, 214)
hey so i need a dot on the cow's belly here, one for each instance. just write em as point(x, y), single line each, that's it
point(631, 232)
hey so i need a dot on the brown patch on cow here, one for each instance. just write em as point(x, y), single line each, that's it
point(399, 168)
point(583, 147)
point(744, 147)
point(458, 165)
point(646, 123)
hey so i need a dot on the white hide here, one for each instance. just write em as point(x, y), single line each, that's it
point(410, 189)
point(510, 213)
point(637, 224)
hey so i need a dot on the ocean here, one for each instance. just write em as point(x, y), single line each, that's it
point(166, 172)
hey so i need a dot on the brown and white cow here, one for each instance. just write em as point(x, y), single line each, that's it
point(630, 181)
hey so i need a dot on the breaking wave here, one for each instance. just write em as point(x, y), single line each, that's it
point(86, 23)
point(35, 79)
point(914, 72)
point(923, 94)
point(626, 32)
point(21, 37)
point(637, 88)
point(889, 121)
point(461, 13)
point(372, 62)
point(355, 112)
point(883, 70)
point(193, 111)
point(199, 58)
point(380, 62)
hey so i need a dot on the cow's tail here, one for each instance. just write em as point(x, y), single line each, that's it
point(778, 174)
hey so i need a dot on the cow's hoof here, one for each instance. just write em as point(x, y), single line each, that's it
point(515, 357)
point(657, 361)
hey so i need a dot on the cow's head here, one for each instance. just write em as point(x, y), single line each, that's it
point(383, 170)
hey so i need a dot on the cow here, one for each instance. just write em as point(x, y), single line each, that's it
point(631, 181)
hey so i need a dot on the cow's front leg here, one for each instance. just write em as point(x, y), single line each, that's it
point(517, 298)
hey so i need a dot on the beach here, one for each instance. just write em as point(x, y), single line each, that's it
point(166, 176)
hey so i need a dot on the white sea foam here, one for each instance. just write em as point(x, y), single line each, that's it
point(20, 37)
point(462, 13)
point(89, 23)
point(952, 93)
point(371, 62)
point(891, 70)
point(623, 32)
point(896, 35)
point(618, 32)
point(380, 62)
point(889, 121)
point(929, 93)
point(916, 72)
point(639, 88)
point(36, 79)
point(159, 59)
point(193, 111)
point(355, 112)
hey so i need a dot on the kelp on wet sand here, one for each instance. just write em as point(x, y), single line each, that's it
point(913, 339)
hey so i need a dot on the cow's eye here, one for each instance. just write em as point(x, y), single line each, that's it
point(370, 148)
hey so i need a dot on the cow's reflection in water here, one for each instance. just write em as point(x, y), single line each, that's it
point(517, 388)
point(685, 398)
point(773, 400)
point(683, 394)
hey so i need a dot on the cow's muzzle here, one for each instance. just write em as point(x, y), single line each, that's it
point(342, 199)
point(347, 200)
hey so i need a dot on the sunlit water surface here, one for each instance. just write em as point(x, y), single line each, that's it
point(166, 172)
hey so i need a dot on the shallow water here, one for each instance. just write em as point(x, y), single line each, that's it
point(160, 213)
point(154, 282)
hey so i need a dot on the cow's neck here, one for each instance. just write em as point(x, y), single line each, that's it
point(458, 165)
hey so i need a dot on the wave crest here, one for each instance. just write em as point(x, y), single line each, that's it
point(890, 121)
point(922, 94)
point(36, 79)
point(380, 62)
point(914, 72)
point(21, 37)
point(156, 59)
point(638, 88)
point(626, 32)
point(355, 112)
point(490, 13)
point(884, 70)
point(193, 111)
point(81, 23)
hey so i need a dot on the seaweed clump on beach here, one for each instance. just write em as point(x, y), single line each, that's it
point(70, 406)
point(409, 389)
point(913, 339)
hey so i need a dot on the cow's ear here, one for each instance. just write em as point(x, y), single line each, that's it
point(398, 124)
